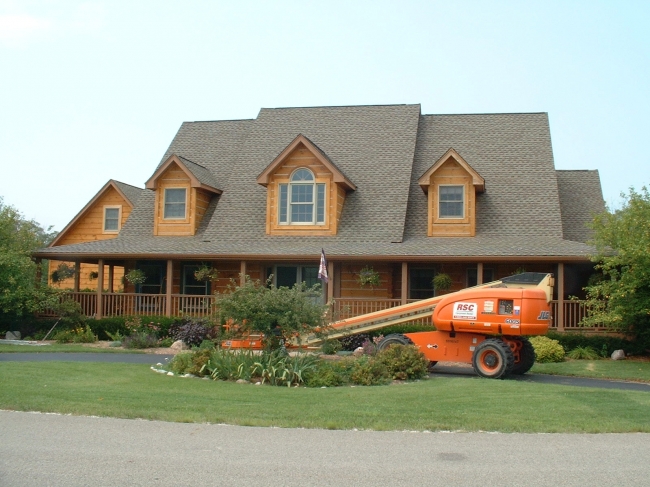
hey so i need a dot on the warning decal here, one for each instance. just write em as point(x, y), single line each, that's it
point(465, 311)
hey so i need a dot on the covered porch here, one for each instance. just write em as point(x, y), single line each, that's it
point(172, 291)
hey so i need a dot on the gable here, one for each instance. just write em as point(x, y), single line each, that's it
point(88, 225)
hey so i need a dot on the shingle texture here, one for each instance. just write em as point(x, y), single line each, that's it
point(383, 150)
point(580, 199)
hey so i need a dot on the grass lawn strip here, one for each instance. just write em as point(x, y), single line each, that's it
point(134, 391)
point(63, 347)
point(628, 370)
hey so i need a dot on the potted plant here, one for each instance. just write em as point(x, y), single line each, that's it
point(206, 273)
point(369, 277)
point(92, 275)
point(62, 272)
point(442, 282)
point(135, 276)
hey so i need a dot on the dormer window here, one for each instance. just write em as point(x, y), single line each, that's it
point(302, 200)
point(451, 201)
point(451, 185)
point(305, 191)
point(175, 203)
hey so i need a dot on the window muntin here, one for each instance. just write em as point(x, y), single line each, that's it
point(111, 219)
point(302, 200)
point(175, 199)
point(472, 276)
point(192, 286)
point(451, 201)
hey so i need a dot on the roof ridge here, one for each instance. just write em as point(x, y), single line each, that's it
point(191, 161)
point(126, 184)
point(477, 113)
point(345, 106)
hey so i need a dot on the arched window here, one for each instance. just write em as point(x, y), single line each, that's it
point(302, 200)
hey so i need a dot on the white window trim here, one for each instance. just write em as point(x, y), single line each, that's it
point(184, 217)
point(464, 215)
point(119, 218)
point(314, 184)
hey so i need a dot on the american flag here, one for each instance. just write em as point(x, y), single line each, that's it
point(322, 269)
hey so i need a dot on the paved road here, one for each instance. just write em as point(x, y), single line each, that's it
point(53, 450)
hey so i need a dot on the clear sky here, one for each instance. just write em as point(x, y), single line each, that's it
point(92, 91)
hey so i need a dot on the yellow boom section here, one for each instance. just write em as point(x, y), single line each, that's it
point(420, 309)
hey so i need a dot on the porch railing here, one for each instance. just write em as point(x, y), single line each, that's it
point(116, 304)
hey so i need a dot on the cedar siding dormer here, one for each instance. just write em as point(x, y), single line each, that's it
point(451, 185)
point(183, 192)
point(302, 165)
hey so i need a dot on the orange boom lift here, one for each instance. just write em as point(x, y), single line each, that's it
point(484, 325)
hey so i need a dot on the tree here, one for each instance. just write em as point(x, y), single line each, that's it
point(275, 312)
point(18, 239)
point(619, 294)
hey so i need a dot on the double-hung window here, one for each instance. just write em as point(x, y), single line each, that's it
point(451, 201)
point(111, 219)
point(302, 200)
point(175, 203)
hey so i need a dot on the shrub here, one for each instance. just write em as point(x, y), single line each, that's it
point(191, 330)
point(181, 363)
point(330, 373)
point(368, 371)
point(351, 342)
point(603, 343)
point(140, 339)
point(166, 342)
point(583, 353)
point(231, 365)
point(404, 362)
point(278, 369)
point(277, 313)
point(547, 350)
point(76, 335)
point(104, 327)
point(330, 347)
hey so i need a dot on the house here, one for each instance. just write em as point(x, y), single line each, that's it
point(383, 189)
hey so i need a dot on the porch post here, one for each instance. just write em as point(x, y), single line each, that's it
point(111, 273)
point(560, 297)
point(479, 273)
point(77, 275)
point(330, 284)
point(168, 289)
point(39, 272)
point(100, 287)
point(405, 282)
point(242, 273)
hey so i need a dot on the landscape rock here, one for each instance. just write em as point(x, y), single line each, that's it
point(12, 335)
point(179, 345)
point(242, 381)
point(358, 352)
point(618, 355)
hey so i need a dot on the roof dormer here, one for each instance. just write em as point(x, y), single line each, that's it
point(305, 191)
point(451, 185)
point(184, 190)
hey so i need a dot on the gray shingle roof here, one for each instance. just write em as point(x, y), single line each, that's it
point(383, 150)
point(131, 192)
point(580, 199)
point(201, 173)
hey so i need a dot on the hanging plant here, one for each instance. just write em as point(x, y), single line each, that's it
point(93, 275)
point(369, 277)
point(135, 276)
point(442, 282)
point(206, 273)
point(62, 272)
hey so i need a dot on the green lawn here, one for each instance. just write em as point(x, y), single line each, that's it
point(134, 391)
point(601, 369)
point(61, 347)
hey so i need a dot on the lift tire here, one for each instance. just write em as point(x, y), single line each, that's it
point(393, 339)
point(526, 357)
point(493, 359)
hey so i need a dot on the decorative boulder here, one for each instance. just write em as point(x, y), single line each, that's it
point(179, 345)
point(358, 352)
point(618, 355)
